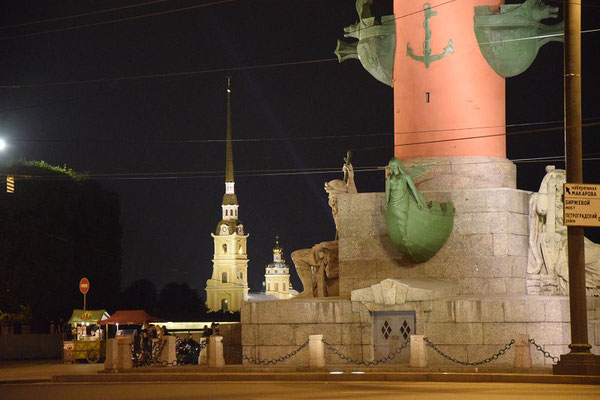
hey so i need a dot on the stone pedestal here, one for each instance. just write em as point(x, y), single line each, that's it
point(169, 353)
point(215, 352)
point(418, 352)
point(118, 354)
point(202, 357)
point(577, 364)
point(485, 254)
point(522, 352)
point(316, 352)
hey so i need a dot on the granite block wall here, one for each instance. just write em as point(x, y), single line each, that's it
point(486, 253)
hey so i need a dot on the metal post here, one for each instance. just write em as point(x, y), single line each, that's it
point(84, 301)
point(579, 361)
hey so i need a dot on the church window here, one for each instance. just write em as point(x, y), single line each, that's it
point(225, 248)
point(224, 305)
point(241, 275)
point(240, 249)
point(269, 286)
point(276, 286)
point(284, 286)
point(224, 277)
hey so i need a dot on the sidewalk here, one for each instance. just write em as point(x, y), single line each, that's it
point(42, 370)
point(55, 371)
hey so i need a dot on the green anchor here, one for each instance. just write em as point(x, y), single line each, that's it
point(427, 58)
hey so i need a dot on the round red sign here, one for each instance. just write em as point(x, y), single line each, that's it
point(84, 285)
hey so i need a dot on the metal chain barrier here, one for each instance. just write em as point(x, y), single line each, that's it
point(350, 360)
point(544, 352)
point(501, 352)
point(274, 360)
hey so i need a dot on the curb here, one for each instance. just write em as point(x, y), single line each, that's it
point(328, 377)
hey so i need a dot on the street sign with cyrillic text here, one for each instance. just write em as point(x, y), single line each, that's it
point(581, 204)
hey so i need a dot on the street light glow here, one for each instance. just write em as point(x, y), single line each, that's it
point(2, 144)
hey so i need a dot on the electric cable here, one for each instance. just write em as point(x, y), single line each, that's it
point(176, 175)
point(107, 10)
point(135, 17)
point(333, 137)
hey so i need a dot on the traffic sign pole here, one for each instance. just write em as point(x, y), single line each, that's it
point(579, 361)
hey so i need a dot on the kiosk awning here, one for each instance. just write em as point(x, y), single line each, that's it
point(130, 317)
point(88, 316)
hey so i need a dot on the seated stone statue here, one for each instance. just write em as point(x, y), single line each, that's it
point(548, 239)
point(318, 269)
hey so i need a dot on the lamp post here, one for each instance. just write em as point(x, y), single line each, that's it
point(579, 361)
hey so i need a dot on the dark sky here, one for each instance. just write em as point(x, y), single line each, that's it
point(303, 115)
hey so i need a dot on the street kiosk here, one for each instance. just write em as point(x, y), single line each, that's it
point(88, 338)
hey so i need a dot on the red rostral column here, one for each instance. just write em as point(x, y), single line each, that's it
point(456, 105)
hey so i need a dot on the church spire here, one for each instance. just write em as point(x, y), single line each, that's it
point(230, 203)
point(229, 146)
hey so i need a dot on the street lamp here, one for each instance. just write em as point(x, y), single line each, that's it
point(2, 145)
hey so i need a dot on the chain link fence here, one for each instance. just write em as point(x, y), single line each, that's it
point(493, 357)
point(274, 361)
point(382, 360)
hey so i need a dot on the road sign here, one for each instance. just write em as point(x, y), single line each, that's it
point(581, 204)
point(10, 184)
point(84, 285)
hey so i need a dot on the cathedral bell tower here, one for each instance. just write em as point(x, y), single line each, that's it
point(228, 286)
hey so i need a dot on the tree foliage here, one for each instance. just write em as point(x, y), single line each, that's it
point(57, 227)
point(139, 295)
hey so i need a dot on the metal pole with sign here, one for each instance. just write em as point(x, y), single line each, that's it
point(84, 287)
point(579, 360)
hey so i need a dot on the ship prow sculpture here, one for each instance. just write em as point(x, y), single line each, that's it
point(419, 229)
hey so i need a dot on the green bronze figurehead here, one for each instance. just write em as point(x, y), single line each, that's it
point(376, 46)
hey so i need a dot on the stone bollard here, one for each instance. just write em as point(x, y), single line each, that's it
point(215, 352)
point(522, 352)
point(168, 354)
point(111, 354)
point(316, 351)
point(202, 357)
point(418, 352)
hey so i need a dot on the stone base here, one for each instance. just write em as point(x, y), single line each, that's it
point(468, 328)
point(452, 173)
point(577, 364)
point(486, 252)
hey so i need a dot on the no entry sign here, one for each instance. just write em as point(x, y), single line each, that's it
point(84, 285)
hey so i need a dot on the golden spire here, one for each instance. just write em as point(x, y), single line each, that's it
point(228, 145)
point(277, 249)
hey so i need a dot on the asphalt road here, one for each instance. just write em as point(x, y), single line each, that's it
point(301, 390)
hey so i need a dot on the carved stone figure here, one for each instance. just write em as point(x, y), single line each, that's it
point(376, 46)
point(510, 38)
point(419, 229)
point(548, 238)
point(337, 186)
point(318, 269)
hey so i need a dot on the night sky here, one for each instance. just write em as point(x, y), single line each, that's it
point(157, 140)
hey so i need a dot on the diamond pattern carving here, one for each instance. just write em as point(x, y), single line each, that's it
point(405, 330)
point(386, 330)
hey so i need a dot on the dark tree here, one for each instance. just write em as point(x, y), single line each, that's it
point(139, 295)
point(57, 227)
point(179, 302)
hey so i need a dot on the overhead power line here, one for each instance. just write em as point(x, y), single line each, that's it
point(87, 14)
point(346, 136)
point(175, 175)
point(117, 20)
point(169, 75)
